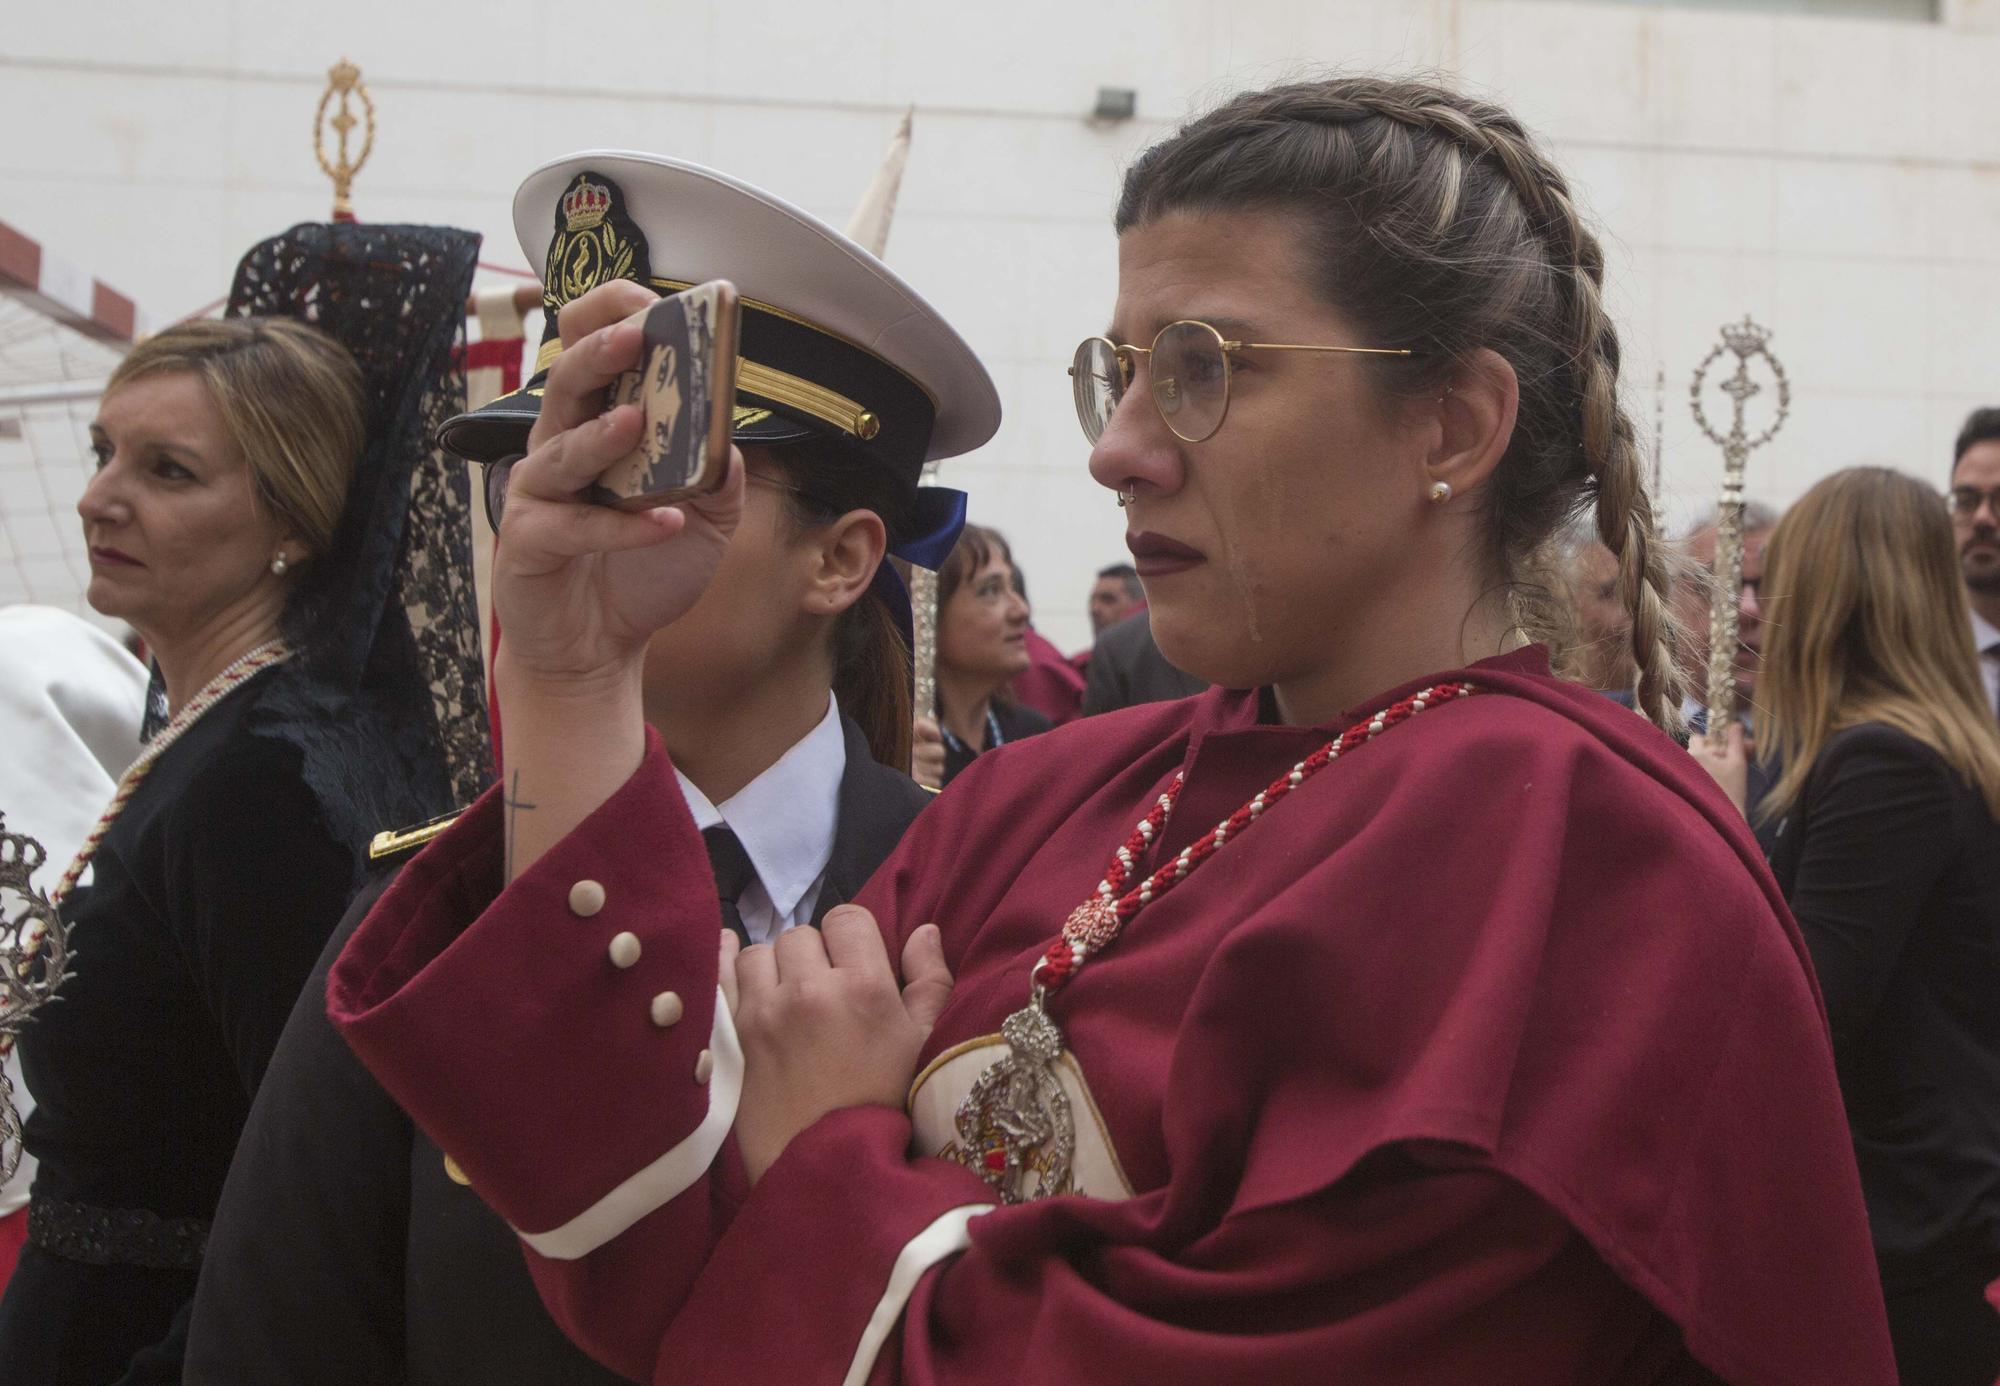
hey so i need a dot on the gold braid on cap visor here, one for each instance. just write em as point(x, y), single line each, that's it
point(791, 391)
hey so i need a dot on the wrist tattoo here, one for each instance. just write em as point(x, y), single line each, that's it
point(516, 805)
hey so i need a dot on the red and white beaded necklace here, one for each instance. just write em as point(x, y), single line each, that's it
point(1015, 1122)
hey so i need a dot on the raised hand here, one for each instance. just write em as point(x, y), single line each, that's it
point(579, 587)
point(1727, 760)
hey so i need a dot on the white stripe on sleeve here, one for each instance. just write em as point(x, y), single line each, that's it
point(666, 1178)
point(945, 1237)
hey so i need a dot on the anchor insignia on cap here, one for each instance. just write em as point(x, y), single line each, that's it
point(595, 242)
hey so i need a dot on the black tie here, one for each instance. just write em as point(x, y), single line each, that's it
point(733, 874)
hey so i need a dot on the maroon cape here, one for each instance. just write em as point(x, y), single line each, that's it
point(1493, 1055)
point(1052, 685)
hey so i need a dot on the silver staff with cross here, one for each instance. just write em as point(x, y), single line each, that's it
point(1747, 341)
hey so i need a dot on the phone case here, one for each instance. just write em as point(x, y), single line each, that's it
point(687, 386)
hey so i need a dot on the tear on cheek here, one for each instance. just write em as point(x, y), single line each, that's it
point(1269, 509)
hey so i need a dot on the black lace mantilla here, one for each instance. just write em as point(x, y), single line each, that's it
point(387, 700)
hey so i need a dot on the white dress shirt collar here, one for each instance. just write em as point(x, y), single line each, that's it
point(785, 818)
point(1984, 636)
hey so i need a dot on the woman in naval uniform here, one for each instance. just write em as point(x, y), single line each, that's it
point(347, 1247)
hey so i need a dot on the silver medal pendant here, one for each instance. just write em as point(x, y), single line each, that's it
point(1014, 1128)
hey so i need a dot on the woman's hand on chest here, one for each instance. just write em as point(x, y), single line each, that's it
point(825, 1024)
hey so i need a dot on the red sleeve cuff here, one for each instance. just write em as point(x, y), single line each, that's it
point(844, 1194)
point(502, 1021)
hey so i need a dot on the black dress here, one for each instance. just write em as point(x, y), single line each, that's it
point(213, 894)
point(344, 1253)
point(1891, 862)
point(1011, 722)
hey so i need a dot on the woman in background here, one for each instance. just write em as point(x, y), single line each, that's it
point(1881, 831)
point(982, 644)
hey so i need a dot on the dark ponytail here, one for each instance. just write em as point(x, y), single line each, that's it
point(871, 659)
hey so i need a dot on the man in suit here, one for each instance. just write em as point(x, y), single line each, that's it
point(1127, 668)
point(1975, 523)
point(1115, 595)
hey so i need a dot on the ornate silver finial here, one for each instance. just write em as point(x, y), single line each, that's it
point(34, 958)
point(1747, 341)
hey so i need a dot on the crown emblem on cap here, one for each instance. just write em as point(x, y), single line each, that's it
point(1745, 338)
point(585, 205)
point(595, 242)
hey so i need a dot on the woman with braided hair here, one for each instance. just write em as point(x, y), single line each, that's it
point(1437, 1021)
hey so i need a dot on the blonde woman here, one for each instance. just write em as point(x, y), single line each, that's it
point(1881, 831)
point(247, 516)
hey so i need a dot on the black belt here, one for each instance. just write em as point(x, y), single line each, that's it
point(116, 1236)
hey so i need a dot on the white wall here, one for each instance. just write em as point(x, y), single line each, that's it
point(1839, 179)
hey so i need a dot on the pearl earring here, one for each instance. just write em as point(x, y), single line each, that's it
point(1440, 492)
point(278, 564)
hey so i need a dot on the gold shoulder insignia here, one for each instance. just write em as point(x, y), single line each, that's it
point(397, 841)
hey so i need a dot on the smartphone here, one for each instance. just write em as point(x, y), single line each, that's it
point(686, 384)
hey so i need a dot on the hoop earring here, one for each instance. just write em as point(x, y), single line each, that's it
point(1127, 496)
point(278, 565)
point(1440, 492)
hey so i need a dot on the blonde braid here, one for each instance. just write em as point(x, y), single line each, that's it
point(1624, 510)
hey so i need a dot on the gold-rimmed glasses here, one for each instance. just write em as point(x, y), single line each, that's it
point(1189, 364)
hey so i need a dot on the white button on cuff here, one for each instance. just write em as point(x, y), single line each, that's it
point(704, 1065)
point(624, 949)
point(667, 1009)
point(586, 898)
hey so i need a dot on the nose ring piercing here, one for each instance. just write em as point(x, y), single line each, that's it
point(1126, 497)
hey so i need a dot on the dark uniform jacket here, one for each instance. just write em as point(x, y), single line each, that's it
point(1127, 668)
point(344, 1251)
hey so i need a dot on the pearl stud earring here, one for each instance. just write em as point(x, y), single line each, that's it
point(278, 564)
point(1440, 492)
